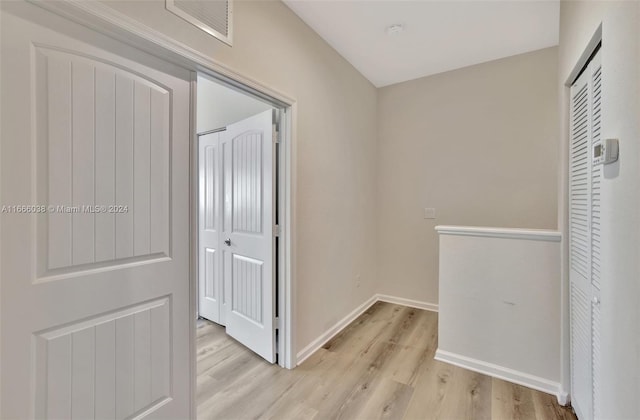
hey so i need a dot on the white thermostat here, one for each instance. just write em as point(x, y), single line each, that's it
point(605, 152)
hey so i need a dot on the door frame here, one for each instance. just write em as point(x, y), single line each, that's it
point(277, 203)
point(108, 21)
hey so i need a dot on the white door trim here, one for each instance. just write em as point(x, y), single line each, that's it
point(102, 18)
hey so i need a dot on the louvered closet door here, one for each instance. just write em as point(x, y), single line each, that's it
point(580, 248)
point(595, 72)
point(584, 229)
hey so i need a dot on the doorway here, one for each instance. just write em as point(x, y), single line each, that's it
point(238, 214)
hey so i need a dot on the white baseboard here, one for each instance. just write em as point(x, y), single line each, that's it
point(408, 302)
point(334, 330)
point(517, 377)
point(563, 398)
point(316, 344)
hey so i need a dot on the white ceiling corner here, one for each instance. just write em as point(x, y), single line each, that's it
point(438, 36)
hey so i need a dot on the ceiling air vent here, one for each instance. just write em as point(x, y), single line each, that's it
point(212, 16)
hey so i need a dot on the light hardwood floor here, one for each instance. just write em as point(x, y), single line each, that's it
point(380, 367)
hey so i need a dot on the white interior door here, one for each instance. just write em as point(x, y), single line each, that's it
point(94, 277)
point(584, 240)
point(247, 147)
point(211, 290)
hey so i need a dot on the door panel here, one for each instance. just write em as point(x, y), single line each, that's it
point(248, 226)
point(95, 153)
point(95, 285)
point(247, 178)
point(580, 253)
point(210, 294)
point(246, 288)
point(584, 245)
point(117, 363)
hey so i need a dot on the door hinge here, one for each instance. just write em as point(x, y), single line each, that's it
point(276, 230)
point(276, 133)
point(277, 345)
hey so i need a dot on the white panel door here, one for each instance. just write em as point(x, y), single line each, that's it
point(94, 184)
point(211, 290)
point(247, 147)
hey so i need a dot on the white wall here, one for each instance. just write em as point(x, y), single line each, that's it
point(500, 303)
point(219, 106)
point(479, 145)
point(620, 228)
point(335, 151)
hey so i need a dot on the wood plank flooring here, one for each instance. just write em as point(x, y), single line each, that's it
point(380, 367)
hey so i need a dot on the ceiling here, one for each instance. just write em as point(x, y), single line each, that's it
point(438, 36)
point(219, 105)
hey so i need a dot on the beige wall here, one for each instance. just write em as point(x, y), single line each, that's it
point(479, 145)
point(336, 147)
point(620, 228)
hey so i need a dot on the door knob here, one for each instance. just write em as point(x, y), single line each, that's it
point(227, 241)
point(596, 300)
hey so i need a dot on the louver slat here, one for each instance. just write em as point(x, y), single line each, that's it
point(580, 347)
point(596, 175)
point(579, 182)
point(595, 358)
point(211, 16)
